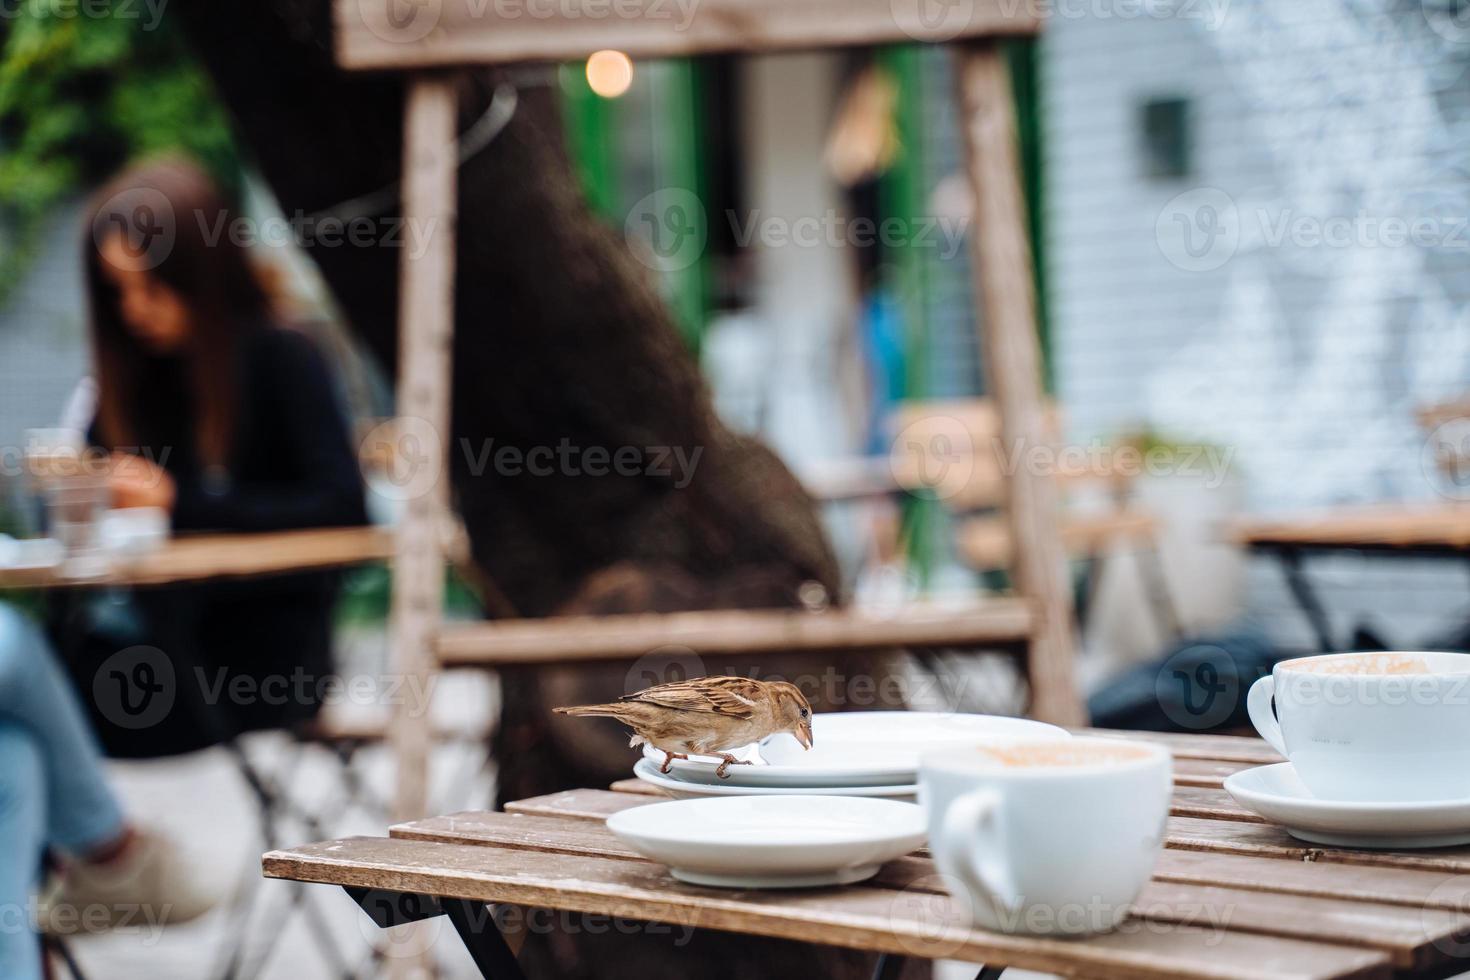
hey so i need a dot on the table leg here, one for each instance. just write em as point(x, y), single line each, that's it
point(1306, 598)
point(890, 967)
point(474, 921)
point(476, 925)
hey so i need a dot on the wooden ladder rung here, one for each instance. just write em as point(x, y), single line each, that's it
point(1005, 621)
point(371, 34)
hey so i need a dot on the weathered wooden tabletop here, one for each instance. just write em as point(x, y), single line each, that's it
point(1441, 527)
point(200, 557)
point(1231, 897)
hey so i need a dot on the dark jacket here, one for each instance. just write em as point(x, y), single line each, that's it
point(232, 656)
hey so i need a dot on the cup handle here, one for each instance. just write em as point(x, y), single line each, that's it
point(971, 832)
point(1258, 706)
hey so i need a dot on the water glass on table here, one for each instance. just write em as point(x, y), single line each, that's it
point(74, 493)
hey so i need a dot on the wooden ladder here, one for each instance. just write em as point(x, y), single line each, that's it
point(430, 37)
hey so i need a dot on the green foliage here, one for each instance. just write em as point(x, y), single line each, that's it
point(87, 86)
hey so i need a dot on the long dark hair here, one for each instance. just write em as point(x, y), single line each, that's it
point(176, 222)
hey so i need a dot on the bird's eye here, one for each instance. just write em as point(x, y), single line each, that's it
point(805, 713)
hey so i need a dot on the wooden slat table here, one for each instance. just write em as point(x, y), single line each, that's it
point(1231, 897)
point(201, 557)
point(1433, 531)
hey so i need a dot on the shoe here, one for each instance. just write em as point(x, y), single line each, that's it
point(149, 884)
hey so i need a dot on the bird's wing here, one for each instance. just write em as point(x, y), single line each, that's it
point(730, 696)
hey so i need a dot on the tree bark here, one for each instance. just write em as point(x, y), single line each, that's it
point(561, 340)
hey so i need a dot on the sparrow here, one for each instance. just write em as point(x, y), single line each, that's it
point(708, 716)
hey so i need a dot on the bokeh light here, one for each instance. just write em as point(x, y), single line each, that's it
point(609, 73)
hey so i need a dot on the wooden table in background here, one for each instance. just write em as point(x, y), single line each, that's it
point(201, 557)
point(1437, 531)
point(1231, 897)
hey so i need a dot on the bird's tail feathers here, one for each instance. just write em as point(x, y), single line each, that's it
point(592, 710)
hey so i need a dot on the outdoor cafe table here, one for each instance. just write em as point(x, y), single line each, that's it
point(1439, 531)
point(1231, 897)
point(201, 557)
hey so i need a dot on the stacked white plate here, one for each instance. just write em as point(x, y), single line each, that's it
point(859, 753)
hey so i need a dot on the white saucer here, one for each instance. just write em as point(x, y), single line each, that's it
point(857, 748)
point(772, 841)
point(1276, 793)
point(688, 789)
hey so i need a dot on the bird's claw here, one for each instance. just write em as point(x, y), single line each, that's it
point(669, 758)
point(730, 760)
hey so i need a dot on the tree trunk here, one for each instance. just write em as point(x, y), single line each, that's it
point(561, 340)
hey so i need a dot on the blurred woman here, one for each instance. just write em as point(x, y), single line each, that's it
point(223, 416)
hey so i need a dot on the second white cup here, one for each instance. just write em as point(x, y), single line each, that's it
point(1053, 837)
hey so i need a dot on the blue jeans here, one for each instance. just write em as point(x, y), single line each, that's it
point(53, 790)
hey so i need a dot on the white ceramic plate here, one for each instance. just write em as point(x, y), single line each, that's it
point(1277, 793)
point(857, 748)
point(772, 841)
point(688, 789)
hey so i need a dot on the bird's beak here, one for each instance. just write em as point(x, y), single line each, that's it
point(803, 734)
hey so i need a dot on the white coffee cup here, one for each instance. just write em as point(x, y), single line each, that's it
point(1371, 727)
point(1047, 837)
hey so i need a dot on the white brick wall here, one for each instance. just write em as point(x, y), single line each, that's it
point(1307, 360)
